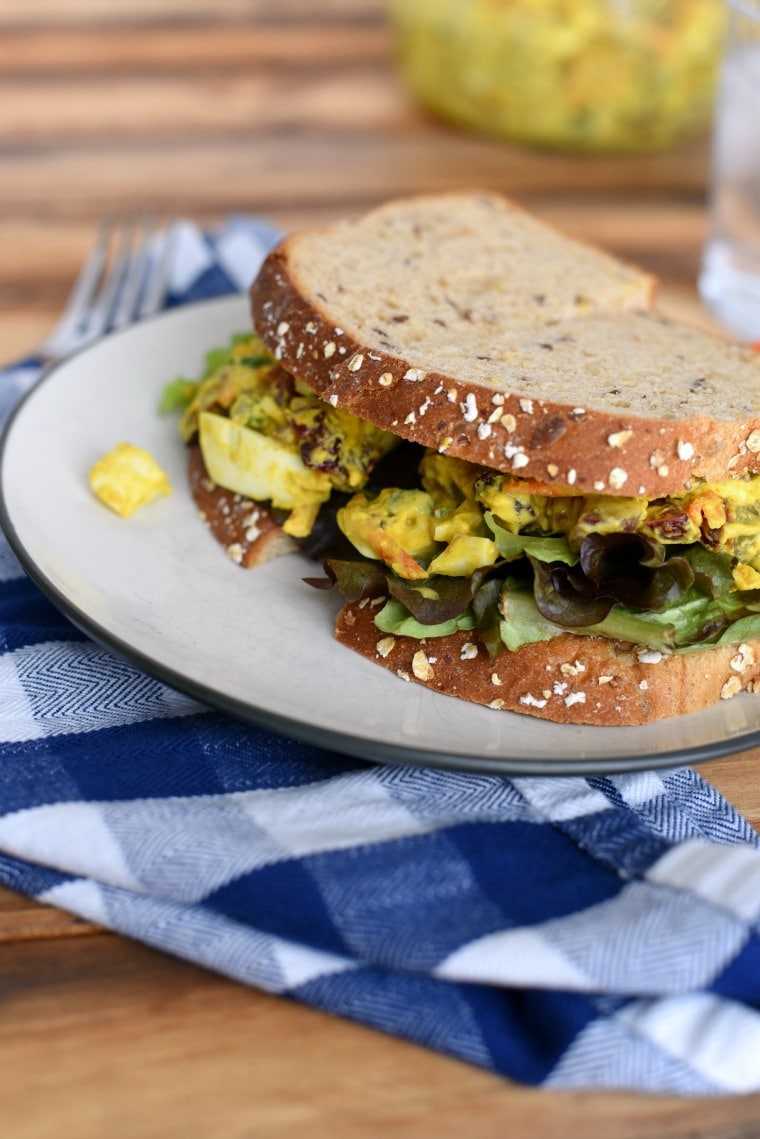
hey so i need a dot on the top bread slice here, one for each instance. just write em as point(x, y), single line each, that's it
point(463, 323)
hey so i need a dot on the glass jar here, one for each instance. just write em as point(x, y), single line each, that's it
point(730, 277)
point(573, 74)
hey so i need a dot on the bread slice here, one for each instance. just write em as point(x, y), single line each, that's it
point(571, 679)
point(459, 321)
point(246, 530)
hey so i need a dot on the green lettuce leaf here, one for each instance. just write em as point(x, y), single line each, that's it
point(744, 629)
point(395, 618)
point(177, 394)
point(695, 622)
point(522, 622)
point(512, 546)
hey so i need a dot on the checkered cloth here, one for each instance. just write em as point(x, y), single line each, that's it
point(570, 933)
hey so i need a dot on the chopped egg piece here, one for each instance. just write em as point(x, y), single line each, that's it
point(126, 478)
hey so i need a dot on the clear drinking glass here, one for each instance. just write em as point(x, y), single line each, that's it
point(730, 277)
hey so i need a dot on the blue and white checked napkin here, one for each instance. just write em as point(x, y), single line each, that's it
point(570, 933)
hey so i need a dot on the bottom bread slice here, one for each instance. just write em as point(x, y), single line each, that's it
point(569, 679)
point(246, 530)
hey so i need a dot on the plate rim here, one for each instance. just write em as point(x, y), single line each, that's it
point(376, 751)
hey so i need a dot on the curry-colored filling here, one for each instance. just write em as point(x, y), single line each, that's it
point(443, 529)
point(265, 435)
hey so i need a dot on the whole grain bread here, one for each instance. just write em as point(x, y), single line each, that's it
point(463, 323)
point(246, 530)
point(570, 679)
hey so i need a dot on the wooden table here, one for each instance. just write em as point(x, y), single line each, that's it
point(290, 108)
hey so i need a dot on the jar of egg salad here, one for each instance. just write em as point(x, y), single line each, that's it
point(582, 75)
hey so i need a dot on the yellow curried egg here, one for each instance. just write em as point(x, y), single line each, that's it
point(745, 577)
point(396, 526)
point(257, 466)
point(463, 555)
point(126, 478)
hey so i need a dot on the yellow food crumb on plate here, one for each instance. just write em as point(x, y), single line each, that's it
point(126, 478)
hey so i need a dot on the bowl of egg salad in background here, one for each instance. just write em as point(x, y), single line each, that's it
point(580, 75)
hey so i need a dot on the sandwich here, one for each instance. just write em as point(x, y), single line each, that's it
point(530, 488)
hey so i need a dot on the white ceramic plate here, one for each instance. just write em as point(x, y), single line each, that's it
point(158, 590)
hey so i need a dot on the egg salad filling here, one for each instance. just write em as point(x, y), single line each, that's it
point(265, 435)
point(455, 546)
point(532, 560)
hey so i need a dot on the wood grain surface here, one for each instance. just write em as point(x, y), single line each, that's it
point(293, 109)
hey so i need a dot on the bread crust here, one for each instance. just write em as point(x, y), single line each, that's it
point(570, 679)
point(246, 530)
point(588, 448)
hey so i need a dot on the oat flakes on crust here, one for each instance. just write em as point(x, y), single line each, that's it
point(571, 679)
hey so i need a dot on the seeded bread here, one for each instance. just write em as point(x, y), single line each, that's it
point(462, 323)
point(246, 530)
point(571, 679)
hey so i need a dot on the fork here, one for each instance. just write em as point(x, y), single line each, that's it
point(124, 279)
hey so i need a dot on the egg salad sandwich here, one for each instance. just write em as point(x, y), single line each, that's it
point(530, 489)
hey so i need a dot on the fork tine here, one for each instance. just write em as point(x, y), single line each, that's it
point(125, 278)
point(114, 278)
point(132, 281)
point(78, 306)
point(157, 278)
point(120, 267)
